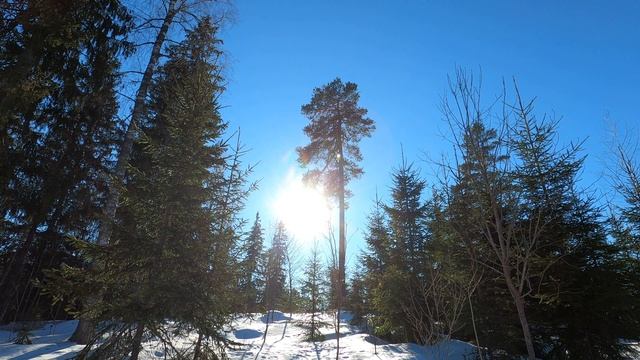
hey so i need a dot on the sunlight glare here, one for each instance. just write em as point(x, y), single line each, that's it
point(304, 210)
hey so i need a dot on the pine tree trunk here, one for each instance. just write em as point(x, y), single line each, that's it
point(84, 331)
point(341, 245)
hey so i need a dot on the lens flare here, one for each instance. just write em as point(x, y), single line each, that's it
point(304, 209)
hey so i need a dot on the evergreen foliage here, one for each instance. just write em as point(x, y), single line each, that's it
point(507, 251)
point(59, 64)
point(167, 271)
point(275, 275)
point(252, 281)
point(313, 290)
point(337, 124)
point(436, 267)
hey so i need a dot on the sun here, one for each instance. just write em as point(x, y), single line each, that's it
point(304, 209)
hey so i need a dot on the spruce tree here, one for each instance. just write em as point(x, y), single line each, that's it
point(375, 258)
point(58, 128)
point(588, 300)
point(625, 221)
point(252, 286)
point(357, 297)
point(276, 277)
point(166, 266)
point(313, 291)
point(407, 219)
point(581, 268)
point(405, 251)
point(516, 207)
point(378, 253)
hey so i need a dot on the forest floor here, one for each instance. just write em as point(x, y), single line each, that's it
point(284, 340)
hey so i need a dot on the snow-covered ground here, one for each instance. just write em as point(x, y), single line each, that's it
point(49, 342)
point(284, 340)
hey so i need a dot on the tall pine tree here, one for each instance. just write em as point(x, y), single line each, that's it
point(337, 124)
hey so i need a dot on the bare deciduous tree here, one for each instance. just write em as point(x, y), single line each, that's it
point(492, 145)
point(436, 304)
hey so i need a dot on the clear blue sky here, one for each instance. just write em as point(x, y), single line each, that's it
point(579, 58)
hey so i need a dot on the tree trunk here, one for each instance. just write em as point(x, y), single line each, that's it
point(138, 110)
point(341, 241)
point(266, 329)
point(136, 345)
point(84, 331)
point(313, 316)
point(196, 352)
point(525, 327)
point(290, 296)
point(475, 330)
point(18, 260)
point(290, 271)
point(522, 316)
point(516, 293)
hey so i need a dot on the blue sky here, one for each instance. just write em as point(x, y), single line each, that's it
point(578, 58)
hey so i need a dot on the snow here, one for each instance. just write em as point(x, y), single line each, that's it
point(48, 342)
point(284, 340)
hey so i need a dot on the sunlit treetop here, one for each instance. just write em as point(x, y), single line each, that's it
point(337, 124)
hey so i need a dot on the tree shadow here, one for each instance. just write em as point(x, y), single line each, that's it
point(374, 340)
point(247, 334)
point(284, 330)
point(53, 351)
point(274, 316)
point(315, 346)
